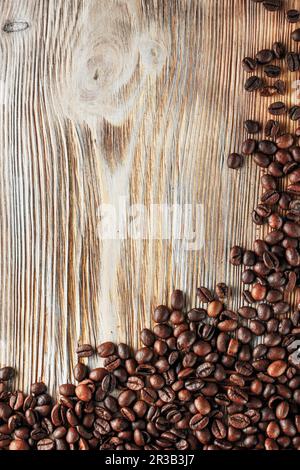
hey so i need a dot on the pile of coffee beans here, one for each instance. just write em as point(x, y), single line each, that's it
point(198, 382)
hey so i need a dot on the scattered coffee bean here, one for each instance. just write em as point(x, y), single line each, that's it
point(293, 16)
point(277, 109)
point(296, 35)
point(253, 83)
point(235, 161)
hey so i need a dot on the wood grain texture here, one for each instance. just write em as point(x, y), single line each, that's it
point(102, 100)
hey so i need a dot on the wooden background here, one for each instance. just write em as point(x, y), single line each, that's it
point(109, 99)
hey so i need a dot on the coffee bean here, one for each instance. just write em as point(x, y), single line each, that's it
point(272, 71)
point(267, 147)
point(202, 405)
point(293, 61)
point(294, 113)
point(280, 86)
point(249, 64)
point(264, 56)
point(239, 421)
point(236, 254)
point(204, 295)
point(214, 308)
point(272, 128)
point(235, 161)
point(85, 350)
point(161, 314)
point(177, 300)
point(221, 290)
point(253, 83)
point(277, 109)
point(279, 50)
point(106, 349)
point(252, 127)
point(248, 146)
point(296, 35)
point(293, 16)
point(262, 160)
point(285, 141)
point(6, 373)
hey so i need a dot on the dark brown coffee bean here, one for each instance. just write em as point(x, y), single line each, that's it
point(265, 56)
point(293, 61)
point(270, 198)
point(221, 290)
point(80, 371)
point(236, 254)
point(6, 373)
point(249, 64)
point(279, 50)
point(294, 113)
point(262, 160)
point(296, 35)
point(239, 421)
point(251, 127)
point(272, 71)
point(235, 161)
point(177, 300)
point(292, 16)
point(248, 146)
point(84, 350)
point(272, 128)
point(267, 147)
point(277, 109)
point(204, 295)
point(161, 314)
point(280, 86)
point(253, 83)
point(106, 349)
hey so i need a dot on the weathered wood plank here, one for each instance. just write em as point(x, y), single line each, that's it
point(107, 99)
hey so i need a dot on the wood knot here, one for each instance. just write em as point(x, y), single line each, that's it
point(15, 26)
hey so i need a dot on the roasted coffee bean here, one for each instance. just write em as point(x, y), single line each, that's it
point(85, 350)
point(249, 64)
point(267, 147)
point(294, 113)
point(6, 373)
point(265, 56)
point(277, 109)
point(272, 5)
point(236, 254)
point(251, 127)
point(221, 290)
point(272, 71)
point(285, 141)
point(293, 61)
point(272, 128)
point(235, 161)
point(280, 86)
point(177, 300)
point(248, 146)
point(253, 83)
point(262, 160)
point(292, 16)
point(296, 35)
point(204, 295)
point(279, 50)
